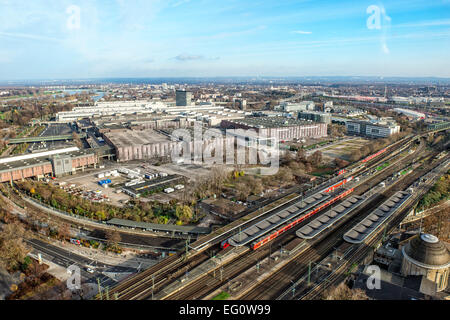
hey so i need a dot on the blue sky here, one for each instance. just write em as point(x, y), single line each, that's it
point(42, 39)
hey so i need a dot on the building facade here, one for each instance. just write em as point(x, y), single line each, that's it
point(315, 116)
point(370, 129)
point(183, 98)
point(426, 256)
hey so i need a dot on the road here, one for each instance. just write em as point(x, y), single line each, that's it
point(65, 258)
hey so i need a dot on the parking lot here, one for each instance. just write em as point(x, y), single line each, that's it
point(88, 181)
point(52, 130)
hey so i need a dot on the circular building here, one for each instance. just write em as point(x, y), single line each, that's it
point(427, 256)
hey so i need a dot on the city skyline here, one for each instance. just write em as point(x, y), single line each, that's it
point(187, 38)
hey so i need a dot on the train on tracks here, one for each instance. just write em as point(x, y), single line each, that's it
point(337, 185)
point(280, 222)
point(373, 155)
point(264, 240)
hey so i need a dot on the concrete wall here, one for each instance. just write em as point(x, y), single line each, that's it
point(315, 130)
point(45, 168)
point(19, 174)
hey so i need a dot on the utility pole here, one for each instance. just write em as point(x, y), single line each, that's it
point(99, 289)
point(270, 252)
point(309, 273)
point(221, 274)
point(384, 233)
point(293, 289)
point(187, 246)
point(107, 293)
point(153, 286)
point(257, 267)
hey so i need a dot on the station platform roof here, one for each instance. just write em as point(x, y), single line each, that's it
point(366, 227)
point(315, 227)
point(276, 219)
point(159, 227)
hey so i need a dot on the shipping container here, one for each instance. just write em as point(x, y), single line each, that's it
point(169, 190)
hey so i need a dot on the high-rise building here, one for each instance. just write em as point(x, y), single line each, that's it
point(183, 98)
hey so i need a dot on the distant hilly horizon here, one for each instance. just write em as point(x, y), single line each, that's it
point(234, 79)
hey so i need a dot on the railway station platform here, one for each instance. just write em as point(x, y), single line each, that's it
point(212, 265)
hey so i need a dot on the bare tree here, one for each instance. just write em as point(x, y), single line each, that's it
point(343, 292)
point(12, 248)
point(113, 237)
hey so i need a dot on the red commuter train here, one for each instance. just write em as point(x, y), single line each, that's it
point(337, 185)
point(374, 155)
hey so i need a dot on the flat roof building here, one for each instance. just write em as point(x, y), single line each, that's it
point(284, 129)
point(299, 106)
point(411, 113)
point(315, 116)
point(43, 164)
point(372, 129)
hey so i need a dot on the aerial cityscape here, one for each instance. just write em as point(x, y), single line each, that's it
point(230, 151)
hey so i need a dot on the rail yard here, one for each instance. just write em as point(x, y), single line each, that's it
point(304, 227)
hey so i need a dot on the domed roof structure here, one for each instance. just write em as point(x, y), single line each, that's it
point(427, 251)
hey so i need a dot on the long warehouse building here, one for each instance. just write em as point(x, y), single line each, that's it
point(51, 164)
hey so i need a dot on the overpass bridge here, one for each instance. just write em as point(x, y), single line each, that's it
point(45, 138)
point(435, 127)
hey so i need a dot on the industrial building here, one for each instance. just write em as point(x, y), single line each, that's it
point(137, 189)
point(283, 129)
point(139, 144)
point(411, 113)
point(101, 109)
point(149, 143)
point(295, 107)
point(39, 165)
point(315, 116)
point(372, 129)
point(153, 115)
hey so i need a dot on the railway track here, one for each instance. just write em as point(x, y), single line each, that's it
point(142, 285)
point(279, 282)
point(204, 286)
point(363, 249)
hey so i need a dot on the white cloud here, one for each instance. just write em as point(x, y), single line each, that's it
point(301, 32)
point(421, 24)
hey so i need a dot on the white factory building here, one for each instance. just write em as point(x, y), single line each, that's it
point(102, 109)
point(380, 129)
point(295, 107)
point(410, 113)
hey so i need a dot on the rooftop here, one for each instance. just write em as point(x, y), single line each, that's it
point(427, 251)
point(133, 137)
point(40, 160)
point(271, 122)
point(159, 227)
point(367, 226)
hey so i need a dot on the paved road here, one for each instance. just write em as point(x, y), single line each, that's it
point(66, 258)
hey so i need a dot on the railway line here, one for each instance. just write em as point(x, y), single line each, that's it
point(281, 281)
point(150, 283)
point(361, 251)
point(204, 286)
